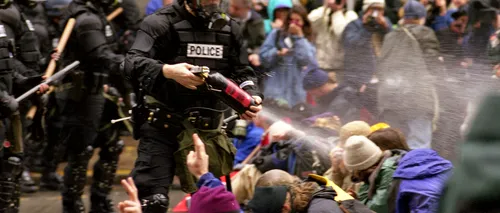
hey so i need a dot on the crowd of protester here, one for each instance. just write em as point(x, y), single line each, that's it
point(363, 111)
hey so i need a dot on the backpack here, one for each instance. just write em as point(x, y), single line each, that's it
point(345, 201)
point(405, 82)
point(300, 157)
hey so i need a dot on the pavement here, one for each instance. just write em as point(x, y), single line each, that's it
point(50, 201)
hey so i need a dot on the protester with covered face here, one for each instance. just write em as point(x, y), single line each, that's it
point(284, 54)
point(363, 39)
point(341, 99)
point(328, 22)
point(374, 168)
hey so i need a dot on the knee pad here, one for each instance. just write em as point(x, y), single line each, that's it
point(86, 154)
point(157, 203)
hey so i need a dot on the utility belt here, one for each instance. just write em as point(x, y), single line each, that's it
point(160, 116)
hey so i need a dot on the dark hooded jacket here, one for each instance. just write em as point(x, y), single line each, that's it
point(474, 186)
point(422, 174)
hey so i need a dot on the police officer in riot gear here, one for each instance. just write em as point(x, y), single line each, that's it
point(91, 43)
point(27, 64)
point(54, 151)
point(173, 102)
point(13, 31)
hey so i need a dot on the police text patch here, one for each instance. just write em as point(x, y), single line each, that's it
point(205, 51)
point(30, 26)
point(2, 31)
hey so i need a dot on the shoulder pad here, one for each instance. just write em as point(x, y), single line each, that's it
point(88, 21)
point(166, 10)
point(155, 25)
point(10, 16)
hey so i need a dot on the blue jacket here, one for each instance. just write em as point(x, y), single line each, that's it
point(245, 146)
point(442, 22)
point(423, 174)
point(286, 71)
point(153, 6)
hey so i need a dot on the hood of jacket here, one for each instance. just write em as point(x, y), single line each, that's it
point(274, 4)
point(421, 163)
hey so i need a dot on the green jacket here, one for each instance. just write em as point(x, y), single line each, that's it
point(381, 182)
point(475, 184)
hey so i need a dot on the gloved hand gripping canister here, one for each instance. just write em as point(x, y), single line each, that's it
point(227, 91)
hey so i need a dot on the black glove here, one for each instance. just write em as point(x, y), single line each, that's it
point(27, 83)
point(8, 104)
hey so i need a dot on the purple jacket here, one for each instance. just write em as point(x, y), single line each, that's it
point(423, 174)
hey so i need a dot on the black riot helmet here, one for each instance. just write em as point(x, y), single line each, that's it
point(55, 8)
point(210, 12)
point(29, 3)
point(4, 4)
point(106, 4)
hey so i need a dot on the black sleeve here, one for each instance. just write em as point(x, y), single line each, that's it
point(91, 38)
point(243, 74)
point(140, 64)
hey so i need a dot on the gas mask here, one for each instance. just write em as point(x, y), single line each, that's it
point(4, 4)
point(211, 14)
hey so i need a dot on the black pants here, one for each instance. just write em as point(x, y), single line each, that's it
point(155, 165)
point(78, 134)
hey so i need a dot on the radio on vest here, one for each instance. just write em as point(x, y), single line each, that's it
point(226, 90)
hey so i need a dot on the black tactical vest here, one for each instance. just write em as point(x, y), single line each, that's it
point(26, 41)
point(6, 62)
point(76, 9)
point(6, 49)
point(201, 47)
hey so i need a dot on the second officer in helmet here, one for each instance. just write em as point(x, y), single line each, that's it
point(174, 103)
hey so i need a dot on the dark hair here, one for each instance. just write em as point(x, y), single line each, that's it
point(389, 139)
point(298, 9)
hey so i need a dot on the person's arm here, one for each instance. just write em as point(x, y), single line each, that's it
point(316, 18)
point(243, 74)
point(339, 22)
point(431, 51)
point(269, 51)
point(93, 42)
point(304, 52)
point(139, 62)
point(378, 203)
point(420, 203)
point(208, 180)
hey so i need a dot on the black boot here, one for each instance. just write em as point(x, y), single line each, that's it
point(11, 169)
point(101, 204)
point(51, 181)
point(27, 184)
point(73, 205)
point(104, 175)
point(75, 177)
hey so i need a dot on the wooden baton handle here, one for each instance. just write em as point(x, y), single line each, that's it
point(60, 47)
point(251, 155)
point(114, 14)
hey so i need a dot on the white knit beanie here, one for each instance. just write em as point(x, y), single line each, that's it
point(368, 3)
point(360, 153)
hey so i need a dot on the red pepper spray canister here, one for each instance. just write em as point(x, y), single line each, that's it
point(226, 90)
